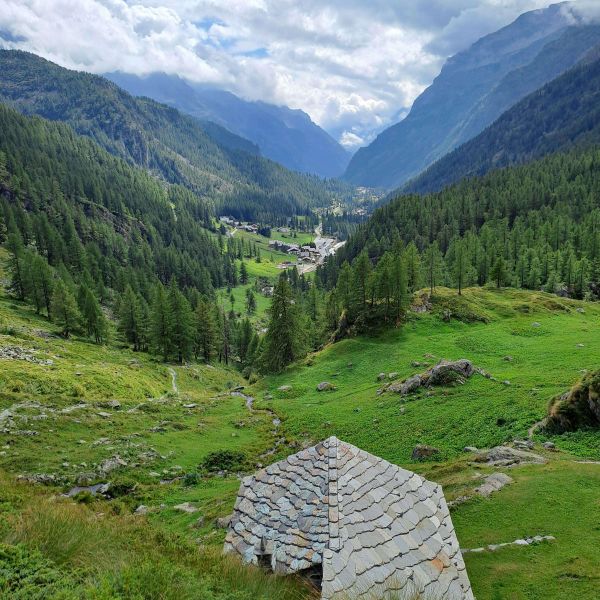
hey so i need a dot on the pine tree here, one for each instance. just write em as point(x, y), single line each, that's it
point(93, 319)
point(499, 272)
point(432, 262)
point(181, 321)
point(205, 331)
point(64, 310)
point(130, 318)
point(16, 265)
point(250, 302)
point(161, 323)
point(243, 274)
point(284, 341)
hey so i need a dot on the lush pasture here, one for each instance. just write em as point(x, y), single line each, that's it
point(164, 434)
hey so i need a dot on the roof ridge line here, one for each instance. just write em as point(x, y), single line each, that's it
point(332, 495)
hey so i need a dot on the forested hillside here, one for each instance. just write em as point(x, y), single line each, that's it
point(473, 89)
point(563, 114)
point(535, 226)
point(207, 159)
point(286, 136)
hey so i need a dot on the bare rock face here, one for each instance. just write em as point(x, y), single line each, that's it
point(493, 483)
point(424, 452)
point(504, 456)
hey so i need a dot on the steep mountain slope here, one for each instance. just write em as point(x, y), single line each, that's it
point(209, 160)
point(473, 89)
point(282, 134)
point(562, 114)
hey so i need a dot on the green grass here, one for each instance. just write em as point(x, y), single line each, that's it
point(120, 555)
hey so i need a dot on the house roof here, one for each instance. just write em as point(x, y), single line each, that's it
point(373, 526)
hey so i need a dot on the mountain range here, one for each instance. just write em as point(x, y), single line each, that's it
point(286, 136)
point(473, 89)
point(563, 114)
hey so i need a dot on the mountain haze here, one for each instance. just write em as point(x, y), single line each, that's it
point(473, 89)
point(282, 134)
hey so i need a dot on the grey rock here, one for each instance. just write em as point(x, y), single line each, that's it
point(186, 507)
point(507, 457)
point(142, 509)
point(381, 377)
point(549, 445)
point(393, 375)
point(284, 388)
point(493, 483)
point(470, 449)
point(325, 386)
point(523, 444)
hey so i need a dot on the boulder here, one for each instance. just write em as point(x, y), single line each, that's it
point(325, 386)
point(284, 388)
point(470, 449)
point(424, 452)
point(549, 445)
point(448, 371)
point(393, 375)
point(111, 464)
point(523, 444)
point(142, 509)
point(110, 404)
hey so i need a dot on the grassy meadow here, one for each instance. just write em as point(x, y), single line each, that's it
point(95, 404)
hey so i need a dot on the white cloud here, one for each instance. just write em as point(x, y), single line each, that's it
point(353, 65)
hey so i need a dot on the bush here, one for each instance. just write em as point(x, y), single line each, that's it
point(223, 460)
point(26, 575)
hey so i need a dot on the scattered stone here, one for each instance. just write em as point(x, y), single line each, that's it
point(537, 539)
point(198, 523)
point(223, 522)
point(423, 452)
point(506, 382)
point(493, 483)
point(18, 353)
point(284, 388)
point(103, 414)
point(381, 377)
point(415, 363)
point(504, 456)
point(142, 509)
point(581, 310)
point(523, 444)
point(325, 386)
point(190, 406)
point(508, 358)
point(536, 324)
point(549, 445)
point(110, 404)
point(41, 478)
point(580, 346)
point(470, 449)
point(112, 464)
point(186, 507)
point(393, 375)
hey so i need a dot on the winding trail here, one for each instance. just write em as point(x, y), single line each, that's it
point(173, 380)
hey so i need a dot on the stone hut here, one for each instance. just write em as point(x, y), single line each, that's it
point(356, 525)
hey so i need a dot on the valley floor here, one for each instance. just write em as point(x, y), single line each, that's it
point(105, 414)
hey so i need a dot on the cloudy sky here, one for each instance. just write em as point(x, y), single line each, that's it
point(353, 65)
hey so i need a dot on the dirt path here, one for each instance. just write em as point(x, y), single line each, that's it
point(173, 380)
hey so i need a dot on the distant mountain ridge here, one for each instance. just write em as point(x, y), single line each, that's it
point(286, 136)
point(563, 114)
point(473, 89)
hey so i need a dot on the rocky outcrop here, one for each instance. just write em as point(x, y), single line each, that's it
point(578, 408)
point(424, 452)
point(505, 456)
point(446, 372)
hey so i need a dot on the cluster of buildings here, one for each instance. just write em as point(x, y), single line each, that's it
point(304, 253)
point(244, 226)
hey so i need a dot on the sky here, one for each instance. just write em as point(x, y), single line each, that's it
point(355, 66)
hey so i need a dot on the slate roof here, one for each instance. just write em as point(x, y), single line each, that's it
point(373, 526)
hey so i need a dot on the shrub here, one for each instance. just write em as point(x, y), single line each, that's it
point(223, 460)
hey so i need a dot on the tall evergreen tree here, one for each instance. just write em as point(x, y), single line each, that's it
point(181, 323)
point(284, 341)
point(64, 309)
